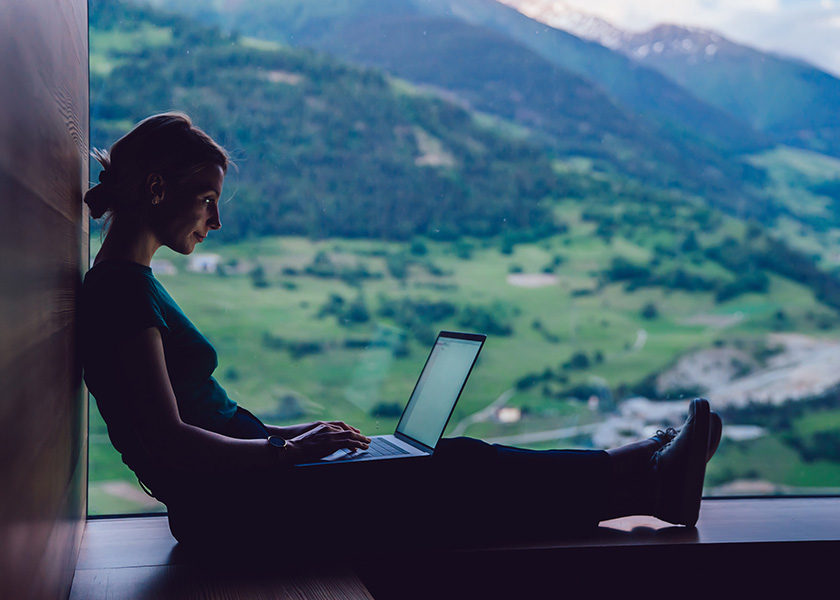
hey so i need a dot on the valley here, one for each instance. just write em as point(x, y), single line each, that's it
point(624, 244)
point(299, 342)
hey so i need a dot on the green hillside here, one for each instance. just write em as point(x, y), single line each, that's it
point(326, 149)
point(323, 148)
point(318, 23)
point(642, 90)
point(488, 56)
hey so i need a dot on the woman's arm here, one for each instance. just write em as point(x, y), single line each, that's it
point(153, 406)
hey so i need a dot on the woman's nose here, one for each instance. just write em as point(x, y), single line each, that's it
point(215, 221)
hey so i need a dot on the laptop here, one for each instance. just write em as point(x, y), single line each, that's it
point(431, 403)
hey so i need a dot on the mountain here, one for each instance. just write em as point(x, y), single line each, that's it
point(488, 57)
point(644, 91)
point(328, 149)
point(323, 148)
point(560, 15)
point(791, 101)
point(794, 102)
point(580, 24)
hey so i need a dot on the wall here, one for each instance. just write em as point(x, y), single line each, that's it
point(43, 418)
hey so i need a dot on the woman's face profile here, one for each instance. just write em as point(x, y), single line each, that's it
point(186, 213)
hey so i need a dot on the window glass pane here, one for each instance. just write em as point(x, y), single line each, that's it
point(633, 222)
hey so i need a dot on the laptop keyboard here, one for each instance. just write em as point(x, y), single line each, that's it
point(382, 447)
point(378, 447)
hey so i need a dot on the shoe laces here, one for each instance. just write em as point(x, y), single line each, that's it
point(665, 437)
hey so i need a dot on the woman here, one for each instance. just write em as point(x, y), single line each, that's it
point(222, 472)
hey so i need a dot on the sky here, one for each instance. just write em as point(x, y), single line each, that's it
point(808, 29)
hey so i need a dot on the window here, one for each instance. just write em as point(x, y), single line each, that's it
point(628, 228)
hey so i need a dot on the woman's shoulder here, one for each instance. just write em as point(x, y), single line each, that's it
point(117, 292)
point(116, 275)
point(121, 283)
point(114, 267)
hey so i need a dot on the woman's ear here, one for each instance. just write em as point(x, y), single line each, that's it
point(156, 187)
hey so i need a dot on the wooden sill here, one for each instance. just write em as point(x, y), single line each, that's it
point(724, 521)
point(758, 545)
point(136, 558)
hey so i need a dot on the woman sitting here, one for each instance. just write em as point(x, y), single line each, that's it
point(211, 461)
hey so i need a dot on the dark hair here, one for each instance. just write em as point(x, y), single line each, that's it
point(168, 144)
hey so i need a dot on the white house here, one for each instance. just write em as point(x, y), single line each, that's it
point(204, 263)
point(161, 266)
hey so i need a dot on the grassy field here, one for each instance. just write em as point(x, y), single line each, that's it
point(577, 313)
point(110, 43)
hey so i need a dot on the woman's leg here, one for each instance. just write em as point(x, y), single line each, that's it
point(528, 494)
point(564, 490)
point(468, 492)
point(663, 476)
point(630, 493)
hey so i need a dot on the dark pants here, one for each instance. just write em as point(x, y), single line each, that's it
point(468, 492)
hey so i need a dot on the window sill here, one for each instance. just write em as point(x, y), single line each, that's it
point(725, 521)
point(767, 546)
point(758, 545)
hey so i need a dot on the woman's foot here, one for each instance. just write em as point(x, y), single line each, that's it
point(715, 431)
point(679, 466)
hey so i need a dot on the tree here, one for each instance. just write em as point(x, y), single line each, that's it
point(418, 248)
point(578, 361)
point(258, 277)
point(357, 311)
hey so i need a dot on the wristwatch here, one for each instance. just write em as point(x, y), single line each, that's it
point(279, 443)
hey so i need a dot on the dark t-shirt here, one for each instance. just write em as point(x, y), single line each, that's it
point(121, 299)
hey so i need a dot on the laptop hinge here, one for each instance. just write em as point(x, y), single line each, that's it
point(412, 442)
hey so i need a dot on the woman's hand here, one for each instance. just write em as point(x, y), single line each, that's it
point(292, 431)
point(322, 439)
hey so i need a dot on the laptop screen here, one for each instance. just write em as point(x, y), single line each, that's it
point(439, 386)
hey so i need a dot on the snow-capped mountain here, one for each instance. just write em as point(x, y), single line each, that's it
point(791, 100)
point(668, 41)
point(675, 42)
point(559, 15)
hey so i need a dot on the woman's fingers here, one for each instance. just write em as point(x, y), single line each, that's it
point(326, 439)
point(351, 437)
point(341, 438)
point(344, 425)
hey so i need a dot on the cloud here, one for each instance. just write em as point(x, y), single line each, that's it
point(810, 34)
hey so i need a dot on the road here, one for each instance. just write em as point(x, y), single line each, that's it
point(485, 414)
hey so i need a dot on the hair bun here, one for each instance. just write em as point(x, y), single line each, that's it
point(98, 199)
point(106, 177)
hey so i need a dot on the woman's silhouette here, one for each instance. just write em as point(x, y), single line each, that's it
point(225, 475)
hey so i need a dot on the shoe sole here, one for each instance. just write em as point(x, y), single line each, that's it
point(715, 433)
point(695, 471)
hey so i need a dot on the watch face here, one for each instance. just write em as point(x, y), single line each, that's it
point(277, 441)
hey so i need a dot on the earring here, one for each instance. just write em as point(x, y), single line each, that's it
point(156, 200)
